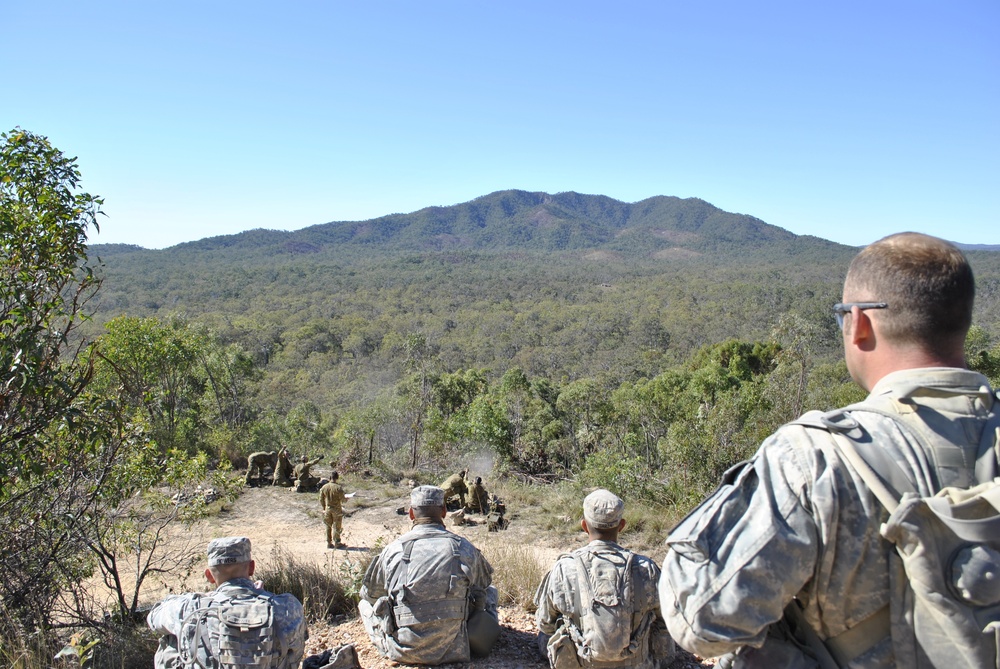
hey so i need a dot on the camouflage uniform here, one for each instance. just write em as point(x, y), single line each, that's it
point(259, 462)
point(283, 470)
point(558, 602)
point(331, 498)
point(400, 628)
point(166, 618)
point(455, 485)
point(797, 522)
point(479, 499)
point(303, 479)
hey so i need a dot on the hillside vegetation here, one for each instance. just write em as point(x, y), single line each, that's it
point(640, 347)
point(529, 328)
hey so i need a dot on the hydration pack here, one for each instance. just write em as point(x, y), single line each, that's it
point(605, 608)
point(229, 634)
point(944, 575)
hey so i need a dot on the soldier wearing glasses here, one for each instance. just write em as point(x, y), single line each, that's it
point(796, 526)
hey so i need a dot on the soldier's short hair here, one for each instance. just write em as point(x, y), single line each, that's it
point(927, 283)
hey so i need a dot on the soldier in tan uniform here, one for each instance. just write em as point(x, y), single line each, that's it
point(303, 479)
point(479, 499)
point(283, 470)
point(796, 526)
point(331, 499)
point(258, 463)
point(455, 485)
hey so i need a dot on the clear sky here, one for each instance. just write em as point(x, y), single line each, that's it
point(847, 120)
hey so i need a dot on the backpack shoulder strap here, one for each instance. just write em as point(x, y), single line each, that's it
point(845, 446)
point(885, 475)
point(404, 569)
point(586, 594)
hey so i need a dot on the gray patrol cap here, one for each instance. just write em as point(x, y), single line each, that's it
point(228, 550)
point(603, 509)
point(427, 495)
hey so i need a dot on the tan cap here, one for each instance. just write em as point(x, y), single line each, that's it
point(427, 495)
point(603, 509)
point(228, 550)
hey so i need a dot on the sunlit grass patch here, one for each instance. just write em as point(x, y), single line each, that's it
point(516, 572)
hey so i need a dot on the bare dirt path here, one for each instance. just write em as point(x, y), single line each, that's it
point(280, 522)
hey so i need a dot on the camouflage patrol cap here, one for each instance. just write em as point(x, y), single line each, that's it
point(427, 495)
point(228, 550)
point(603, 509)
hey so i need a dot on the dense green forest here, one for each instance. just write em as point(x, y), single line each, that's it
point(622, 326)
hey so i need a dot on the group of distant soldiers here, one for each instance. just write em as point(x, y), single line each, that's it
point(474, 498)
point(284, 473)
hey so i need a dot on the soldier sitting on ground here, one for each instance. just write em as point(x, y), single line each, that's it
point(479, 499)
point(283, 470)
point(273, 632)
point(258, 463)
point(427, 598)
point(455, 485)
point(304, 481)
point(599, 605)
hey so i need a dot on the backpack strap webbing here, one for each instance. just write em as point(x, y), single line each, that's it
point(845, 446)
point(583, 579)
point(404, 569)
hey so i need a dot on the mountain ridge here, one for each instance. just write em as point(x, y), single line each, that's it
point(522, 220)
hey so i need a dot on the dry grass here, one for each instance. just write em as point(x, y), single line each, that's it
point(516, 572)
point(324, 590)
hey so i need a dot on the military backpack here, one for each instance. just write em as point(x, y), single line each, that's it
point(602, 626)
point(944, 608)
point(229, 634)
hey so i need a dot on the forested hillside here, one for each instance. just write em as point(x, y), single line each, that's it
point(409, 336)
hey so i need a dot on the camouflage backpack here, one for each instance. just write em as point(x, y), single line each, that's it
point(605, 606)
point(944, 608)
point(229, 634)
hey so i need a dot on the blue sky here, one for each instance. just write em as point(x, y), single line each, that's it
point(847, 120)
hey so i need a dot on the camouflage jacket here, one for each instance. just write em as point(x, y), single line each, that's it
point(415, 610)
point(168, 616)
point(557, 600)
point(797, 522)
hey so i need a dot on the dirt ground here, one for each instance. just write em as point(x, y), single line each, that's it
point(283, 520)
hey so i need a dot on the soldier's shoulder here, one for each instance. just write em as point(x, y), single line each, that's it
point(287, 601)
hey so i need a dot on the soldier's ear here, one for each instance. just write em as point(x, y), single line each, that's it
point(253, 565)
point(621, 525)
point(583, 526)
point(209, 575)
